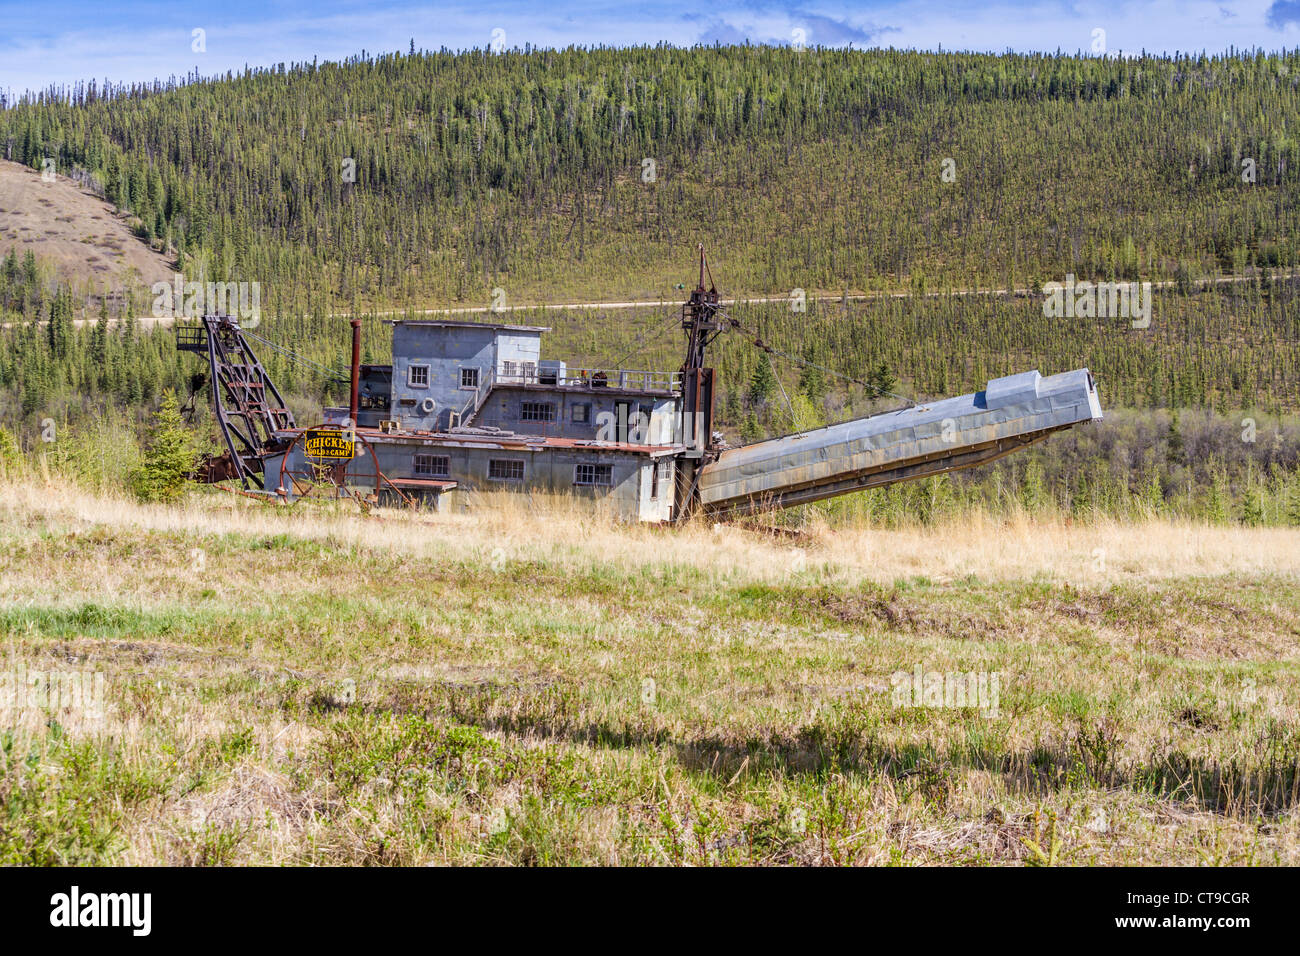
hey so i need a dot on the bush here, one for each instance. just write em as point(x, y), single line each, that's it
point(11, 456)
point(171, 454)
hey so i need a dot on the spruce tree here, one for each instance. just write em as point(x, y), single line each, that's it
point(1293, 499)
point(171, 455)
point(762, 384)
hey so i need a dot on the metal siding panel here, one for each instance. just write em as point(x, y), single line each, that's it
point(1026, 404)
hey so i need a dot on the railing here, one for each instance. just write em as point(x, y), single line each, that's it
point(637, 379)
point(471, 407)
point(191, 338)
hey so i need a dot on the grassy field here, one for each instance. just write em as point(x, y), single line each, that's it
point(547, 687)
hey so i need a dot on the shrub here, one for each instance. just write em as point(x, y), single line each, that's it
point(171, 454)
point(11, 456)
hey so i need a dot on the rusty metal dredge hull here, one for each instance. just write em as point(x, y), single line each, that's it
point(468, 406)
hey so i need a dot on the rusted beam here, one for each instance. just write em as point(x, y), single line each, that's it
point(355, 405)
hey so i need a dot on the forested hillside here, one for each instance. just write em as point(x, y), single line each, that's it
point(813, 169)
point(424, 180)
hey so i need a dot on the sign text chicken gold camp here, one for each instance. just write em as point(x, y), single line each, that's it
point(329, 445)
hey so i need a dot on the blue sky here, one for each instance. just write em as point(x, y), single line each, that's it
point(131, 40)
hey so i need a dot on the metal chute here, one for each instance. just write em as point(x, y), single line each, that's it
point(909, 443)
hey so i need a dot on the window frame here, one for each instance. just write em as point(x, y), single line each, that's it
point(492, 462)
point(598, 469)
point(410, 375)
point(645, 416)
point(473, 371)
point(434, 472)
point(658, 474)
point(548, 417)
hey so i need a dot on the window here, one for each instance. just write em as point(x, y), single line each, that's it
point(641, 426)
point(530, 371)
point(509, 369)
point(593, 474)
point(658, 478)
point(581, 414)
point(431, 466)
point(623, 421)
point(417, 376)
point(469, 378)
point(505, 469)
point(536, 412)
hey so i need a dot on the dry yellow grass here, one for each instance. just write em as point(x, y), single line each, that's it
point(508, 527)
point(539, 684)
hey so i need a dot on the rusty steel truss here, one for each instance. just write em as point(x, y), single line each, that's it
point(248, 407)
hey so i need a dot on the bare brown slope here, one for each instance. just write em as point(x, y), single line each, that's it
point(78, 233)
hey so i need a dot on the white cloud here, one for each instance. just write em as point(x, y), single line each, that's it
point(162, 49)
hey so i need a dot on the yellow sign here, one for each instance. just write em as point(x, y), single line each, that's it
point(331, 445)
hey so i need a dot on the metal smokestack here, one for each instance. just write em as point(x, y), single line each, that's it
point(356, 371)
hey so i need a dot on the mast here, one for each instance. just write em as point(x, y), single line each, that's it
point(702, 325)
